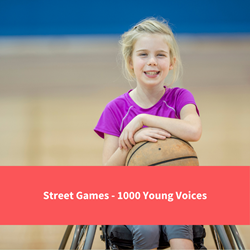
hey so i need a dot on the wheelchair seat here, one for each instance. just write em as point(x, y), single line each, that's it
point(120, 237)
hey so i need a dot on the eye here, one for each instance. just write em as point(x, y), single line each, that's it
point(143, 54)
point(161, 55)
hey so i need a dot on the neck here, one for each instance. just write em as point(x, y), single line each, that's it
point(147, 97)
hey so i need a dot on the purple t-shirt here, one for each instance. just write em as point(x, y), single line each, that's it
point(119, 112)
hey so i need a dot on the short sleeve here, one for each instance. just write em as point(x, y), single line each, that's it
point(184, 97)
point(107, 123)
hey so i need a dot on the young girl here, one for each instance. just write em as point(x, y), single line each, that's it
point(150, 112)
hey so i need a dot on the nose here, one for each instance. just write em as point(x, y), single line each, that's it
point(152, 61)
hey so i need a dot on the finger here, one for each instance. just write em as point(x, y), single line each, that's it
point(164, 133)
point(125, 142)
point(122, 143)
point(151, 139)
point(123, 139)
point(157, 136)
point(162, 137)
point(168, 135)
point(131, 139)
point(128, 144)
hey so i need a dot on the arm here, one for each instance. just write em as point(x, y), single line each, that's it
point(187, 128)
point(150, 134)
point(112, 154)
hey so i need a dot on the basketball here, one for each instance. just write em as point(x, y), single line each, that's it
point(172, 151)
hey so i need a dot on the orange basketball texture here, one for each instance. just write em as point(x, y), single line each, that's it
point(172, 151)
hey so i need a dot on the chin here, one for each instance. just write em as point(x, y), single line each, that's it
point(153, 84)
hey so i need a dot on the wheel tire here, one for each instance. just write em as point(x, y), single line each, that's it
point(83, 237)
point(90, 237)
point(220, 237)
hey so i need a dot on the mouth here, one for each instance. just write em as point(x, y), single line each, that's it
point(152, 73)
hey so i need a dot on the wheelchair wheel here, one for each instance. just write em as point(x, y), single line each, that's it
point(82, 239)
point(226, 237)
point(237, 238)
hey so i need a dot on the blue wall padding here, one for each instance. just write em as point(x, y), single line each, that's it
point(61, 17)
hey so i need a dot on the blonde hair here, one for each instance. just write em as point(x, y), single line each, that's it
point(150, 26)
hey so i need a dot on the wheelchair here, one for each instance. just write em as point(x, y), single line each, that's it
point(119, 237)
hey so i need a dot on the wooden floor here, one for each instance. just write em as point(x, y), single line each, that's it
point(53, 92)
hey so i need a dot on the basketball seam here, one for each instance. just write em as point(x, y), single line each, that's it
point(175, 159)
point(172, 137)
point(135, 151)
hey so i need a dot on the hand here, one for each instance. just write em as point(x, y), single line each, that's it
point(151, 134)
point(126, 140)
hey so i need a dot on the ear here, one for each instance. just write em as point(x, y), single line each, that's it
point(172, 63)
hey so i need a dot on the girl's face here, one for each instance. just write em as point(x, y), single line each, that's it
point(151, 60)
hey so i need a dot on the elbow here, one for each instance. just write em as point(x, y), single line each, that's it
point(195, 134)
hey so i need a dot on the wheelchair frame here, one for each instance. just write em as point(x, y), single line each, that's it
point(225, 237)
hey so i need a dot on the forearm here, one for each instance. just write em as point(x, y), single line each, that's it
point(184, 129)
point(118, 158)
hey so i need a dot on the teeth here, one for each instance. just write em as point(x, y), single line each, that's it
point(151, 73)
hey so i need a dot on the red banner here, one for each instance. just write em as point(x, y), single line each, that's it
point(125, 195)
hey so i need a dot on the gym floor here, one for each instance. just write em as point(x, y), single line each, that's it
point(54, 90)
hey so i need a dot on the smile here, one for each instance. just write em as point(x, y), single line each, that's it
point(151, 73)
